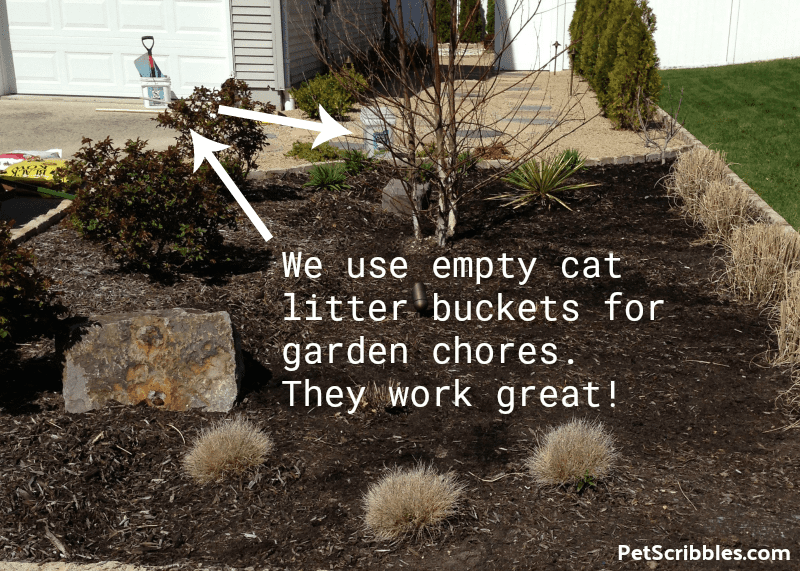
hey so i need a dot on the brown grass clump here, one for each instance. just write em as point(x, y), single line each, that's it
point(788, 324)
point(722, 208)
point(572, 452)
point(228, 447)
point(411, 501)
point(692, 174)
point(378, 397)
point(759, 261)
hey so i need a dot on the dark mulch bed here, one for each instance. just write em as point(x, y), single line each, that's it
point(694, 415)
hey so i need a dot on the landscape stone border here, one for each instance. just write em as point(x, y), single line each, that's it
point(40, 223)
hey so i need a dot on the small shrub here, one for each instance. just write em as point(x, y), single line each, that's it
point(228, 447)
point(490, 18)
point(328, 177)
point(466, 161)
point(146, 206)
point(356, 161)
point(442, 15)
point(540, 180)
point(692, 174)
point(334, 91)
point(411, 501)
point(23, 291)
point(578, 451)
point(427, 171)
point(759, 260)
point(324, 152)
point(722, 208)
point(787, 328)
point(198, 112)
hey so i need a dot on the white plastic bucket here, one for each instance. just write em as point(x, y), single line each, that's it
point(378, 125)
point(156, 91)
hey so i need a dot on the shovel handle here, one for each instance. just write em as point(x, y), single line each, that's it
point(152, 43)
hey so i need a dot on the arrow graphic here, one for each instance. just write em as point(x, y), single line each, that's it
point(328, 129)
point(204, 149)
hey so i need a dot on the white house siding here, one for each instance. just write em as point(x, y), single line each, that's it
point(257, 46)
point(349, 23)
point(689, 33)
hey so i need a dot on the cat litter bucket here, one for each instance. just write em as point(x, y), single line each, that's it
point(156, 91)
point(378, 125)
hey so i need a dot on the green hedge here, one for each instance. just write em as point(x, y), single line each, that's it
point(616, 53)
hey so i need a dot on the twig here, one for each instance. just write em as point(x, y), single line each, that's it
point(706, 363)
point(121, 448)
point(56, 542)
point(498, 477)
point(179, 432)
point(684, 494)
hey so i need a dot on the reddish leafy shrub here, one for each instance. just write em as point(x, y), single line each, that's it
point(147, 208)
point(199, 113)
point(23, 291)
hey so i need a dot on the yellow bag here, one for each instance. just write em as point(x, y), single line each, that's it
point(32, 171)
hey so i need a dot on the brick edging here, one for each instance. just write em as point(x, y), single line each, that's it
point(40, 223)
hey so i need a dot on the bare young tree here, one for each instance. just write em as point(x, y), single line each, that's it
point(665, 128)
point(445, 101)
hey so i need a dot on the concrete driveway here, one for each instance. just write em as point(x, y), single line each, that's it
point(41, 123)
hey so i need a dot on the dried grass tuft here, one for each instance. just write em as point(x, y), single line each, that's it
point(569, 453)
point(722, 208)
point(228, 447)
point(378, 397)
point(787, 321)
point(411, 501)
point(759, 260)
point(692, 174)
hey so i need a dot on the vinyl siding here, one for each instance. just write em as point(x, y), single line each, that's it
point(254, 54)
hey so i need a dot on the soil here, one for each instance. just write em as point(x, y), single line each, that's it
point(703, 459)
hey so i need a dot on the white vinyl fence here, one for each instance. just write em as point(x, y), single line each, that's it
point(689, 33)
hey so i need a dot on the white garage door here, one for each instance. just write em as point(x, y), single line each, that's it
point(87, 47)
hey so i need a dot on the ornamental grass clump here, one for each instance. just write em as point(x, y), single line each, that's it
point(722, 208)
point(691, 176)
point(786, 324)
point(759, 260)
point(575, 452)
point(228, 448)
point(411, 501)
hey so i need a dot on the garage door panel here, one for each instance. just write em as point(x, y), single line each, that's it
point(36, 14)
point(90, 68)
point(193, 17)
point(92, 15)
point(36, 67)
point(143, 17)
point(199, 71)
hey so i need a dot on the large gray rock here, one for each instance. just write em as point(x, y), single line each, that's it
point(174, 359)
point(395, 199)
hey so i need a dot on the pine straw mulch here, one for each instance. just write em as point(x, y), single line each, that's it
point(702, 459)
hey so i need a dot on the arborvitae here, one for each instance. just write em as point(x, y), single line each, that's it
point(577, 27)
point(618, 12)
point(443, 15)
point(636, 67)
point(597, 12)
point(490, 17)
point(470, 21)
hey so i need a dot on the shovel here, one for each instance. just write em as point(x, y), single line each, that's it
point(145, 64)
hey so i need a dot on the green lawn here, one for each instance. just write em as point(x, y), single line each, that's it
point(751, 112)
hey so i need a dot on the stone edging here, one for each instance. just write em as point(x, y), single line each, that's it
point(40, 223)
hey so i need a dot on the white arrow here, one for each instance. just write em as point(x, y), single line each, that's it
point(205, 149)
point(328, 129)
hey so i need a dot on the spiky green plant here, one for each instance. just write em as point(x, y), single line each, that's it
point(541, 180)
point(328, 177)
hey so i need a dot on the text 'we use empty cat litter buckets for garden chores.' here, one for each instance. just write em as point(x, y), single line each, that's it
point(378, 124)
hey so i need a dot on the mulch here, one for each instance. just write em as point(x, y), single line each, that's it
point(703, 459)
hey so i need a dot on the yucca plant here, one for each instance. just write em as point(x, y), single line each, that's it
point(328, 177)
point(541, 179)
